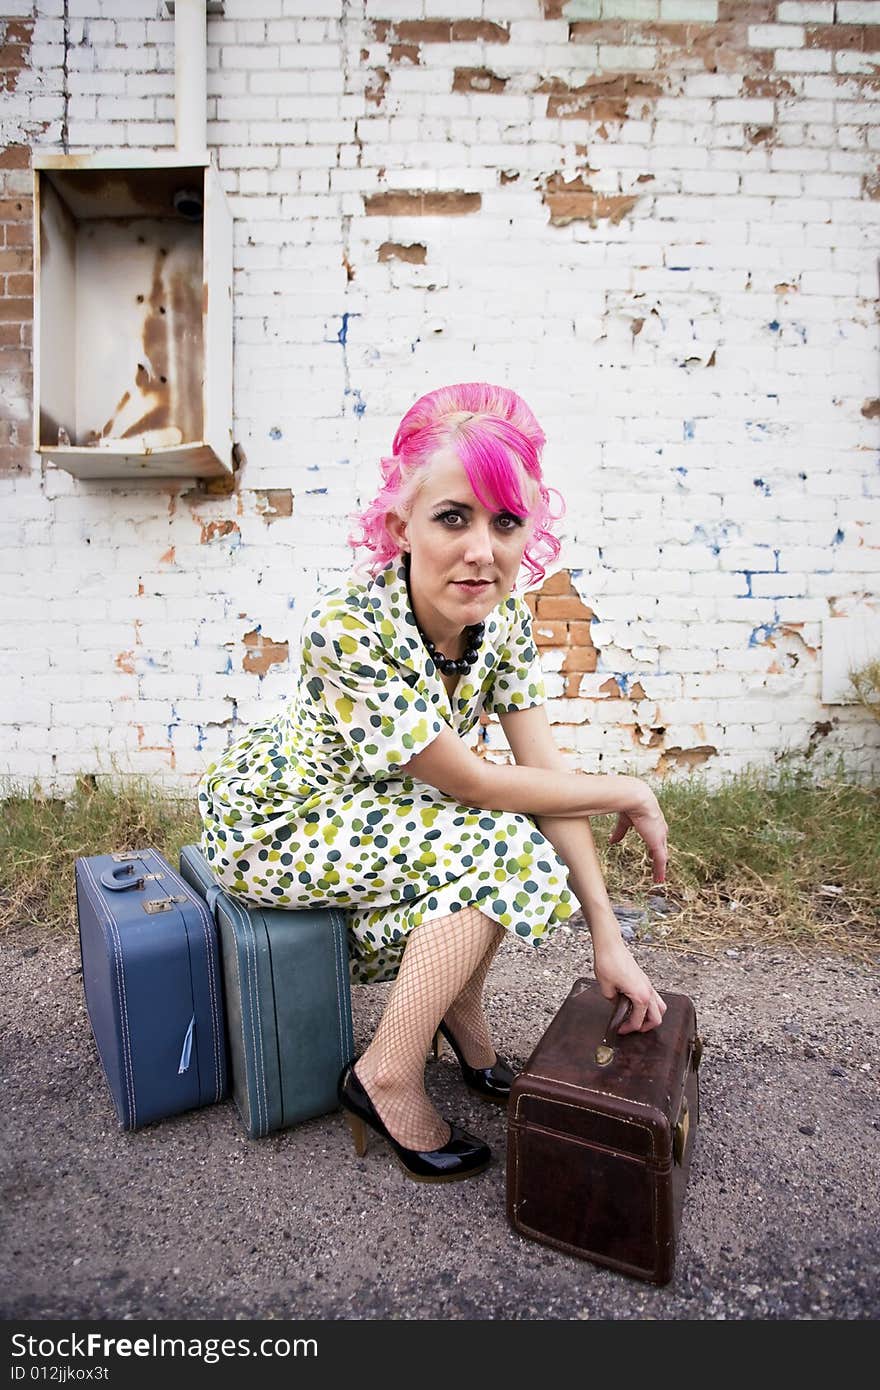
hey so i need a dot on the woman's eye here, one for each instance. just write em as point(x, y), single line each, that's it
point(508, 522)
point(449, 517)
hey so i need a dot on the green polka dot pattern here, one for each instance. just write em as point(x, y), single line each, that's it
point(311, 807)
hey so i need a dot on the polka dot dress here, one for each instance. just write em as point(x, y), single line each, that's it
point(311, 808)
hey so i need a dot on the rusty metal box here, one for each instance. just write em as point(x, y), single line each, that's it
point(132, 315)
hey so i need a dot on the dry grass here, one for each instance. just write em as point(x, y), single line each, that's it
point(775, 860)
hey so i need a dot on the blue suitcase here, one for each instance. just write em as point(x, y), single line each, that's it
point(288, 1003)
point(153, 985)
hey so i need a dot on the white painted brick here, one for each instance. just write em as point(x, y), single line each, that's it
point(802, 60)
point(776, 36)
point(756, 110)
point(857, 12)
point(820, 12)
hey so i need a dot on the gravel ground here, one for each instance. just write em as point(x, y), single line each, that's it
point(191, 1219)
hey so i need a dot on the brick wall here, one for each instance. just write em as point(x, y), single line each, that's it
point(657, 219)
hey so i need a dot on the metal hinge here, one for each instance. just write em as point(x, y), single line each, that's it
point(164, 904)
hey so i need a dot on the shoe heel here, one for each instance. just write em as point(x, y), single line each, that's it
point(358, 1133)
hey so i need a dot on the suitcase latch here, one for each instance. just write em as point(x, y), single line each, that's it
point(680, 1133)
point(164, 904)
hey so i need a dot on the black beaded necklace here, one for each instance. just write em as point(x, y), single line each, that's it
point(450, 666)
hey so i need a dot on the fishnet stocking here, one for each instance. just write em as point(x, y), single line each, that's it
point(466, 1016)
point(439, 959)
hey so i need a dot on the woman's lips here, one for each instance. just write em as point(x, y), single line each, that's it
point(475, 585)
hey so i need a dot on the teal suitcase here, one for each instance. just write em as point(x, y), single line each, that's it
point(288, 1003)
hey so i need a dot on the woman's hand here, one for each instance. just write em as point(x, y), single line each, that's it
point(647, 820)
point(618, 973)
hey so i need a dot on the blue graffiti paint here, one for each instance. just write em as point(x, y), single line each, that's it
point(678, 267)
point(229, 667)
point(767, 629)
point(747, 576)
point(342, 336)
point(275, 432)
point(764, 487)
point(622, 681)
point(200, 740)
point(682, 470)
point(688, 429)
point(316, 492)
point(774, 326)
point(838, 537)
point(291, 603)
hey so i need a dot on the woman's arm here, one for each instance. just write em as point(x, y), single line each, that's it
point(539, 785)
point(540, 780)
point(532, 743)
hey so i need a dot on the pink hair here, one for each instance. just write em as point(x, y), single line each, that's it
point(499, 443)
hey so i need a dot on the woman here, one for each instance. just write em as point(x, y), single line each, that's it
point(361, 791)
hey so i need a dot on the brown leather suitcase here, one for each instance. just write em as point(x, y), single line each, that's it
point(600, 1134)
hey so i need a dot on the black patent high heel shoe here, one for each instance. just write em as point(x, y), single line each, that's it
point(492, 1083)
point(463, 1156)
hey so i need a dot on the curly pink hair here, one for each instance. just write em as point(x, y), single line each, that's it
point(499, 443)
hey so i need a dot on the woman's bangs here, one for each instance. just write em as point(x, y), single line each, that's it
point(495, 472)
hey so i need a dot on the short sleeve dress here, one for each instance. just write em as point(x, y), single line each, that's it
point(311, 808)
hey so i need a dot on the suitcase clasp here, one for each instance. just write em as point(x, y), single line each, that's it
point(680, 1133)
point(164, 904)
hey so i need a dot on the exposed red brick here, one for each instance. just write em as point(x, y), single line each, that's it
point(553, 8)
point(600, 98)
point(474, 30)
point(19, 233)
point(422, 30)
point(559, 583)
point(686, 757)
point(580, 659)
point(871, 409)
point(871, 38)
point(168, 558)
point(15, 157)
point(274, 503)
point(214, 530)
point(16, 209)
point(21, 283)
point(16, 258)
point(16, 310)
point(767, 87)
point(636, 691)
point(374, 90)
point(263, 652)
point(416, 253)
point(421, 204)
point(747, 11)
point(477, 80)
point(835, 36)
point(13, 55)
point(579, 634)
point(588, 207)
point(18, 30)
point(759, 134)
point(405, 53)
point(125, 662)
point(568, 607)
point(508, 176)
point(871, 185)
point(588, 31)
point(549, 634)
point(572, 688)
point(611, 689)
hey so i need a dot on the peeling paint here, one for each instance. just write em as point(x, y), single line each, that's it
point(216, 530)
point(274, 503)
point(685, 757)
point(415, 253)
point(263, 652)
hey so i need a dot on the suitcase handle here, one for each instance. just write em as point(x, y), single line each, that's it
point(605, 1050)
point(118, 880)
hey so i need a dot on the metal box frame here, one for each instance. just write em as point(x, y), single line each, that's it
point(132, 315)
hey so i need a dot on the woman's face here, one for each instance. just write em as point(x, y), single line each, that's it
point(464, 557)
